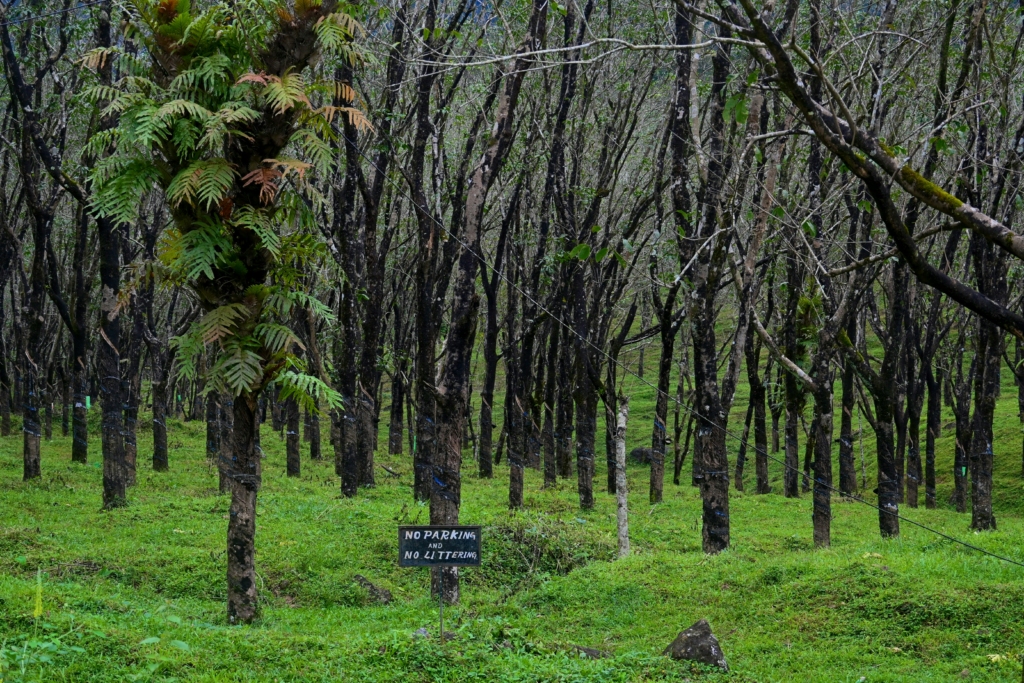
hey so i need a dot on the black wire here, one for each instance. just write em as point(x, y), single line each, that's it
point(740, 439)
point(83, 5)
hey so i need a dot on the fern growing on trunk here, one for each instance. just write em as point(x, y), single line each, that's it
point(217, 113)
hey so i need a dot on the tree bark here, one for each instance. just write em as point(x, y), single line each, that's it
point(293, 453)
point(244, 477)
point(159, 390)
point(933, 431)
point(213, 411)
point(227, 442)
point(621, 504)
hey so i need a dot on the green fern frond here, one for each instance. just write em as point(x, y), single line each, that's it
point(117, 196)
point(286, 92)
point(198, 251)
point(311, 393)
point(219, 323)
point(203, 183)
point(238, 369)
point(276, 338)
point(260, 223)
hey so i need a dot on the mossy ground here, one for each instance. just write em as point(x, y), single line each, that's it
point(137, 593)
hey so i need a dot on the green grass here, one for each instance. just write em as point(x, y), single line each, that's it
point(914, 609)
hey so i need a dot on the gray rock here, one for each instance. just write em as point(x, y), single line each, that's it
point(698, 644)
point(421, 633)
point(641, 456)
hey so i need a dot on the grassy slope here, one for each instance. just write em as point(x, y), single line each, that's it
point(916, 609)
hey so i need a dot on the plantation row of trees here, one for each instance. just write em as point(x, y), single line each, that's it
point(257, 210)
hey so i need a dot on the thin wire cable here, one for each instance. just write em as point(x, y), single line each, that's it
point(689, 410)
point(11, 22)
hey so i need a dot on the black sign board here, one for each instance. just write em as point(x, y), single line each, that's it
point(438, 546)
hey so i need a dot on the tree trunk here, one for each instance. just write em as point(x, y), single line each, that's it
point(213, 428)
point(5, 411)
point(791, 475)
point(548, 430)
point(709, 443)
point(293, 453)
point(243, 475)
point(888, 477)
point(65, 408)
point(79, 415)
point(395, 427)
point(159, 388)
point(586, 432)
point(980, 456)
point(366, 438)
point(933, 431)
point(227, 442)
point(658, 436)
point(621, 506)
point(313, 428)
point(48, 412)
point(757, 402)
point(564, 412)
point(30, 425)
point(514, 433)
point(847, 462)
point(741, 457)
point(822, 426)
point(915, 403)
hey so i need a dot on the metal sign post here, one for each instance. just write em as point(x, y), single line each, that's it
point(439, 546)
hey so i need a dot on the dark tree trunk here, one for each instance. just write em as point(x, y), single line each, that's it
point(900, 422)
point(313, 429)
point(513, 425)
point(888, 477)
point(963, 440)
point(548, 430)
point(847, 463)
point(5, 410)
point(659, 436)
point(586, 433)
point(132, 387)
point(48, 412)
point(757, 403)
point(292, 445)
point(243, 475)
point(276, 414)
point(65, 408)
point(980, 455)
point(794, 397)
point(115, 479)
point(159, 389)
point(791, 474)
point(934, 428)
point(366, 439)
point(741, 457)
point(79, 415)
point(564, 411)
point(30, 425)
point(213, 428)
point(584, 393)
point(915, 404)
point(395, 425)
point(32, 313)
point(821, 430)
point(227, 442)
